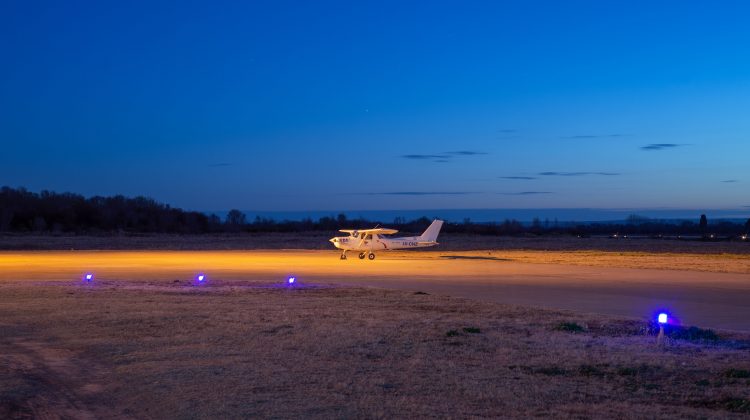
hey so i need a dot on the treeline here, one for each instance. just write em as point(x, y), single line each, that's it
point(22, 211)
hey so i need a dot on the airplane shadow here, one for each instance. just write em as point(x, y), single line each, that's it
point(473, 257)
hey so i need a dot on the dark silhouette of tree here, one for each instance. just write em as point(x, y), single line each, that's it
point(536, 226)
point(511, 227)
point(214, 222)
point(236, 218)
point(22, 211)
point(635, 219)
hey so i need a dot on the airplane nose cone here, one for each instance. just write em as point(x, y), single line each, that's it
point(333, 240)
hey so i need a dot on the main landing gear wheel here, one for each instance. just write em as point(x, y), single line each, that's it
point(361, 255)
point(371, 256)
point(343, 256)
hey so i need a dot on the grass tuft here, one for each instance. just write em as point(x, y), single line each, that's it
point(737, 373)
point(471, 330)
point(452, 333)
point(643, 369)
point(627, 371)
point(590, 370)
point(739, 405)
point(734, 404)
point(551, 371)
point(570, 327)
point(421, 293)
point(693, 334)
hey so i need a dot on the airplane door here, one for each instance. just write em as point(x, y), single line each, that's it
point(378, 242)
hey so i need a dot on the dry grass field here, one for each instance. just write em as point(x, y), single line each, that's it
point(166, 349)
point(143, 341)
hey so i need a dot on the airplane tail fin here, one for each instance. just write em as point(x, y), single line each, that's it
point(431, 234)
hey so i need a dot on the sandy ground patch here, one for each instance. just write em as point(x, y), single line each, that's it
point(716, 263)
point(703, 298)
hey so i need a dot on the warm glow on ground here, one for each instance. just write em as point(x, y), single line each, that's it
point(581, 281)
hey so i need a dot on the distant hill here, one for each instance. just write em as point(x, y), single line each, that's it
point(564, 216)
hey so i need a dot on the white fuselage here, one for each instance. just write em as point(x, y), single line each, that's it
point(367, 241)
point(375, 242)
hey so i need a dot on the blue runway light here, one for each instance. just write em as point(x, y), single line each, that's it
point(662, 318)
point(88, 277)
point(290, 281)
point(200, 278)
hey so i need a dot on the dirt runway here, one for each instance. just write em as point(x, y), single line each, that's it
point(713, 300)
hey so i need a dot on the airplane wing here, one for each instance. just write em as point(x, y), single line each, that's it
point(377, 231)
point(380, 231)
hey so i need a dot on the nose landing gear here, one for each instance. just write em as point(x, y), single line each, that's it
point(361, 255)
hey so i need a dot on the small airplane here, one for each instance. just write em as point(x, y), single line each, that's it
point(368, 240)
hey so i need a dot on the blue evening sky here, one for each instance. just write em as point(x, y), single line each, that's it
point(380, 105)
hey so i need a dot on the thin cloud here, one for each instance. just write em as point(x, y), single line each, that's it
point(518, 177)
point(423, 157)
point(506, 134)
point(466, 153)
point(551, 173)
point(417, 193)
point(730, 181)
point(592, 136)
point(218, 165)
point(661, 146)
point(526, 193)
point(444, 156)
